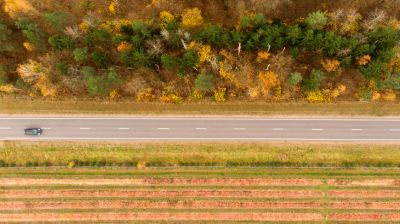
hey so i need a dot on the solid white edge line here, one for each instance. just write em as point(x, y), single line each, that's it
point(211, 139)
point(199, 118)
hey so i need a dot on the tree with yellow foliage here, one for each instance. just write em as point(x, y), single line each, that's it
point(330, 65)
point(166, 18)
point(267, 81)
point(192, 18)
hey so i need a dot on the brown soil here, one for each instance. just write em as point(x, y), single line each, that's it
point(162, 181)
point(364, 217)
point(364, 205)
point(364, 194)
point(160, 193)
point(371, 182)
point(160, 216)
point(150, 204)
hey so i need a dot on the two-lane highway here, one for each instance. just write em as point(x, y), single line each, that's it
point(185, 128)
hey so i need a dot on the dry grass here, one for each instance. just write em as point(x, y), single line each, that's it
point(197, 154)
point(102, 107)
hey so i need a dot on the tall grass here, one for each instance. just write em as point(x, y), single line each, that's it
point(31, 154)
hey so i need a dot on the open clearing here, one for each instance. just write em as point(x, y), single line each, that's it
point(206, 195)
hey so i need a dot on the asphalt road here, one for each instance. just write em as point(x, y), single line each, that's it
point(154, 128)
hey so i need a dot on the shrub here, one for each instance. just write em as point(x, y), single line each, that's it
point(192, 18)
point(4, 38)
point(316, 20)
point(98, 36)
point(62, 68)
point(88, 71)
point(168, 61)
point(87, 5)
point(135, 59)
point(268, 80)
point(295, 78)
point(80, 54)
point(252, 21)
point(219, 95)
point(31, 31)
point(205, 82)
point(330, 65)
point(3, 75)
point(262, 56)
point(313, 82)
point(124, 46)
point(101, 85)
point(60, 42)
point(364, 60)
point(318, 97)
point(100, 58)
point(30, 72)
point(58, 20)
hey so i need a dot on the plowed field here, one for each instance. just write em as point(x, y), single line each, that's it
point(37, 195)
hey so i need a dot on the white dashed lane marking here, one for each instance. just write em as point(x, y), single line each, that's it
point(394, 130)
point(356, 129)
point(317, 129)
point(239, 129)
point(84, 128)
point(163, 128)
point(5, 128)
point(123, 129)
point(277, 129)
point(201, 129)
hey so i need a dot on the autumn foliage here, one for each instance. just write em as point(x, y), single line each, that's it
point(173, 52)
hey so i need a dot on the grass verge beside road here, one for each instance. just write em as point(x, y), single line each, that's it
point(68, 107)
point(29, 154)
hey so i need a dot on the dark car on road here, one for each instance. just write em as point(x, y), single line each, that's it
point(33, 131)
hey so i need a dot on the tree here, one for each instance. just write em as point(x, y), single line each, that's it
point(313, 82)
point(192, 18)
point(215, 36)
point(295, 78)
point(316, 20)
point(189, 60)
